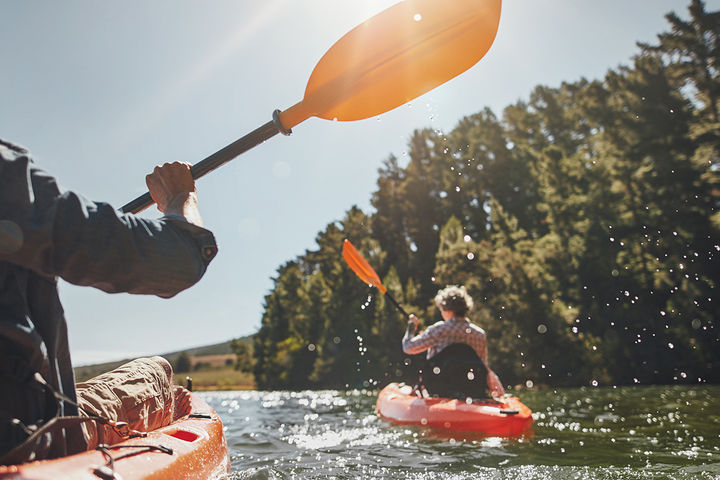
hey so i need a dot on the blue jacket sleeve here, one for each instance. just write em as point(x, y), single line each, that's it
point(55, 232)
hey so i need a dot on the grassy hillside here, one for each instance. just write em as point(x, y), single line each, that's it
point(212, 367)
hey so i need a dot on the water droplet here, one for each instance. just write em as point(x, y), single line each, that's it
point(541, 328)
point(529, 384)
point(470, 256)
point(436, 370)
point(471, 375)
point(594, 383)
point(417, 17)
point(671, 346)
point(467, 238)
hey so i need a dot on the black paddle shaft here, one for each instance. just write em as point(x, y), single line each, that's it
point(221, 157)
point(397, 305)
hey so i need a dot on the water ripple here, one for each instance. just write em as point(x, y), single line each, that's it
point(643, 433)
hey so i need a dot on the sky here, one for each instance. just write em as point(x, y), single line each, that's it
point(101, 92)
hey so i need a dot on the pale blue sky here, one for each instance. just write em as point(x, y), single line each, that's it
point(100, 92)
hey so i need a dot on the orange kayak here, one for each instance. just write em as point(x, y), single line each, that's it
point(508, 416)
point(193, 447)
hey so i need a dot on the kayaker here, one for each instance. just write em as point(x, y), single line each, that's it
point(454, 303)
point(48, 232)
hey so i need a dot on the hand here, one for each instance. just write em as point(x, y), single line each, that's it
point(413, 322)
point(182, 402)
point(169, 181)
point(172, 187)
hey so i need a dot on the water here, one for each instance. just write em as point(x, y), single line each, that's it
point(658, 432)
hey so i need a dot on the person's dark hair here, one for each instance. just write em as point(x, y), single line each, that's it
point(454, 298)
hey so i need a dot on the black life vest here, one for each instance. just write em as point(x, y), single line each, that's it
point(456, 372)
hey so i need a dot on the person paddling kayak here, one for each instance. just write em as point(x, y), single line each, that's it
point(455, 328)
point(47, 232)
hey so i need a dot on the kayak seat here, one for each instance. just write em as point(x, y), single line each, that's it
point(456, 372)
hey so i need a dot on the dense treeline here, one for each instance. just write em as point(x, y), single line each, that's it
point(584, 222)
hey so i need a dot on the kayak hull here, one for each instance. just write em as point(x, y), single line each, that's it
point(399, 404)
point(197, 441)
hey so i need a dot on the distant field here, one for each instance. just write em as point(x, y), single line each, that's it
point(213, 371)
point(221, 378)
point(213, 361)
point(212, 368)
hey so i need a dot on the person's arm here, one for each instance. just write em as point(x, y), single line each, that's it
point(413, 344)
point(495, 385)
point(493, 381)
point(60, 233)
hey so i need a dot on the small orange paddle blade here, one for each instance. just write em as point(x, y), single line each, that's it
point(361, 268)
point(396, 56)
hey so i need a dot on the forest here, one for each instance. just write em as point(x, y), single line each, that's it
point(583, 221)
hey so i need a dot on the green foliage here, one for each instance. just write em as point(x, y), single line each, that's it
point(183, 363)
point(584, 223)
point(243, 351)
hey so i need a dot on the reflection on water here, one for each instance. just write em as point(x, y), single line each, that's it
point(585, 433)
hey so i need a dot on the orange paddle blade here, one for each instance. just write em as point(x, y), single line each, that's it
point(361, 268)
point(396, 56)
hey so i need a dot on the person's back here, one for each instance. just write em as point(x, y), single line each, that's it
point(456, 372)
point(455, 328)
point(47, 232)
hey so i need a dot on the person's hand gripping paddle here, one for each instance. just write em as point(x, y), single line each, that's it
point(392, 58)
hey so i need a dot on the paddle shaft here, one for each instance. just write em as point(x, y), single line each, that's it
point(397, 305)
point(219, 158)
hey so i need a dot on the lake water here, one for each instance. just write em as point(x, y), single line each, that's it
point(656, 432)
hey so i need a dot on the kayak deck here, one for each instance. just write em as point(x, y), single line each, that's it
point(192, 447)
point(400, 404)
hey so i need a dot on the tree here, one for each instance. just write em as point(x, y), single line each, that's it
point(183, 363)
point(584, 223)
point(243, 355)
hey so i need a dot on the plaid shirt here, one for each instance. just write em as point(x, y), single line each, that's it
point(443, 333)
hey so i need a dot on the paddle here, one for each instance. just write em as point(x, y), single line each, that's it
point(392, 58)
point(366, 273)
